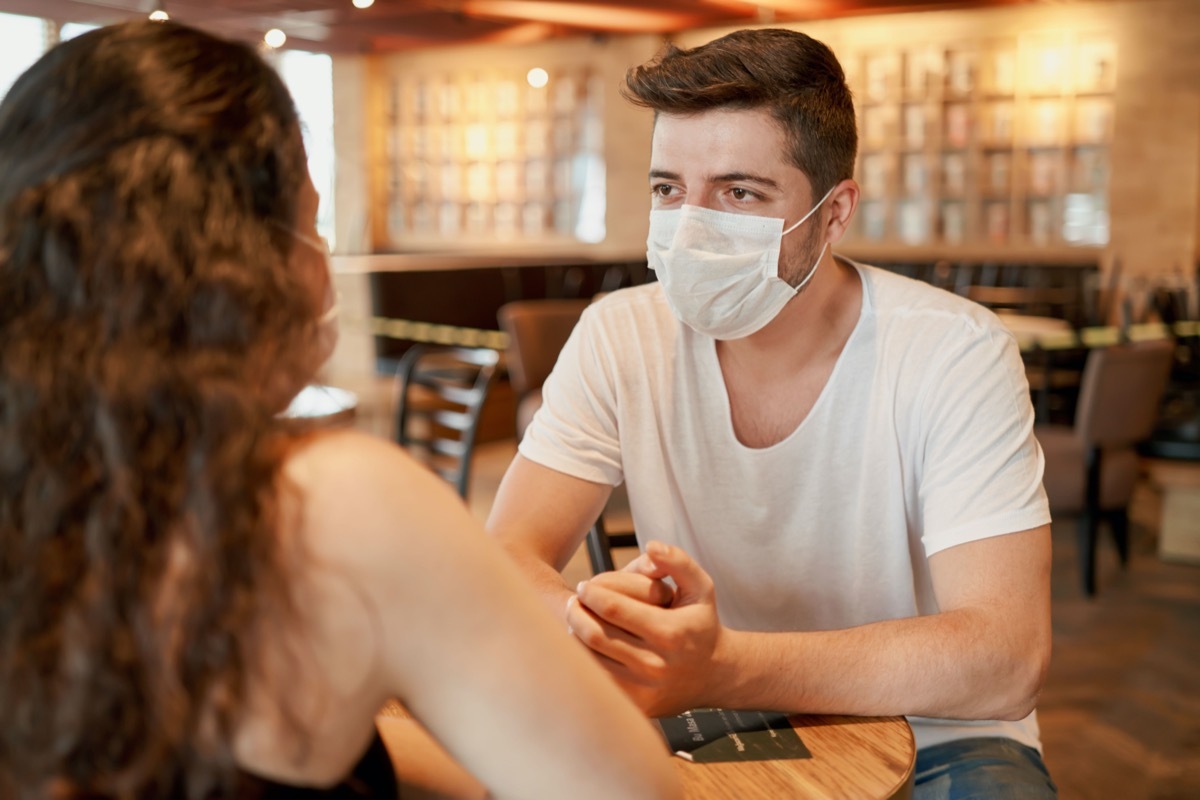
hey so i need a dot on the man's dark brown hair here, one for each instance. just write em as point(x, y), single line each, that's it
point(793, 76)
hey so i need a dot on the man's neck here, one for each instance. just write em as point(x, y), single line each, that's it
point(811, 328)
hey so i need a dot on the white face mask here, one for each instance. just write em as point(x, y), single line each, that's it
point(327, 323)
point(720, 271)
point(332, 298)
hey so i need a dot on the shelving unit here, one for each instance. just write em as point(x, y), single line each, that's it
point(487, 156)
point(1001, 142)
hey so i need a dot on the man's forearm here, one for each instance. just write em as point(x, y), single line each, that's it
point(544, 578)
point(957, 664)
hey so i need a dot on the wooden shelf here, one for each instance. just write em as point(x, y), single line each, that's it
point(977, 252)
point(963, 132)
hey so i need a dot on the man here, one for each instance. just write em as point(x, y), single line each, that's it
point(833, 465)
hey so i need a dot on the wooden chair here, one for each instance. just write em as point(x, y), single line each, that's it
point(440, 392)
point(600, 544)
point(1092, 466)
point(537, 330)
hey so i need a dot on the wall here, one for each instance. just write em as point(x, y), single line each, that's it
point(626, 129)
point(352, 223)
point(1155, 179)
point(1156, 146)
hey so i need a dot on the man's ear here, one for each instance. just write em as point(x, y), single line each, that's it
point(842, 205)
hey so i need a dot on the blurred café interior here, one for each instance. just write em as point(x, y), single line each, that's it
point(1039, 156)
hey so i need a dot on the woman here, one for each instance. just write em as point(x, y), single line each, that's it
point(195, 600)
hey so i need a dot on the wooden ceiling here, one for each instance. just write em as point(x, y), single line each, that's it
point(391, 25)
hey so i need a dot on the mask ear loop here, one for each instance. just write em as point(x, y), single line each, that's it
point(824, 247)
point(812, 271)
point(811, 211)
point(321, 245)
point(332, 312)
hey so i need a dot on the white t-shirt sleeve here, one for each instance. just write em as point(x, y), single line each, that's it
point(575, 430)
point(981, 465)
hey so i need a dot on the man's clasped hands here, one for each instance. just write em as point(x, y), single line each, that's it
point(654, 626)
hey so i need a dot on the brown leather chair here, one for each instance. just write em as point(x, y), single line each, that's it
point(1091, 467)
point(537, 330)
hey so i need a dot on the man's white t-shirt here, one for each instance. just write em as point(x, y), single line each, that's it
point(922, 439)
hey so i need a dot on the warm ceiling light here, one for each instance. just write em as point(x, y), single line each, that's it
point(275, 38)
point(159, 14)
point(537, 77)
point(363, 3)
point(801, 8)
point(597, 16)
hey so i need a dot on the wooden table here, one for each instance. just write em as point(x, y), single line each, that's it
point(1030, 329)
point(323, 405)
point(859, 757)
point(1034, 336)
point(852, 757)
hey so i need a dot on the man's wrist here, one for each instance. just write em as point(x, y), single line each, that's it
point(728, 674)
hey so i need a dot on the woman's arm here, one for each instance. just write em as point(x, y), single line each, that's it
point(425, 770)
point(465, 644)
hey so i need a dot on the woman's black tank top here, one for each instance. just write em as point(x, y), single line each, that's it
point(372, 777)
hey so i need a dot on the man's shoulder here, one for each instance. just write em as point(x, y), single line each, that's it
point(646, 298)
point(635, 311)
point(897, 288)
point(899, 299)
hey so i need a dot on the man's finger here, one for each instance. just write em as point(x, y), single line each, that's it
point(637, 618)
point(643, 565)
point(567, 612)
point(636, 586)
point(613, 642)
point(692, 583)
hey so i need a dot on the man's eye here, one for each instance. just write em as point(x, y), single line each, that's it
point(741, 194)
point(661, 190)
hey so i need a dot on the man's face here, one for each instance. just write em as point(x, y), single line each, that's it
point(735, 160)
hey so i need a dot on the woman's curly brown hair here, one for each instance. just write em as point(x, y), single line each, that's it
point(149, 176)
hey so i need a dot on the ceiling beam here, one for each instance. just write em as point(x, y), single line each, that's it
point(521, 33)
point(588, 16)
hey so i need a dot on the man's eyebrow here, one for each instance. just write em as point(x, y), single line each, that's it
point(728, 177)
point(744, 177)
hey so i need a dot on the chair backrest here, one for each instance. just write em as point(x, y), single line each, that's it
point(1121, 391)
point(537, 331)
point(601, 542)
point(440, 392)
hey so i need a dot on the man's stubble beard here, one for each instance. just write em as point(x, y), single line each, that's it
point(801, 262)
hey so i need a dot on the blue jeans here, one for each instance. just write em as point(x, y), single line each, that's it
point(990, 768)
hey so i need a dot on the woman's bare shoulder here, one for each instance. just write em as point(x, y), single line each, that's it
point(364, 493)
point(340, 448)
point(333, 463)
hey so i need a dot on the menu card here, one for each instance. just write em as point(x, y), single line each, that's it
point(707, 735)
